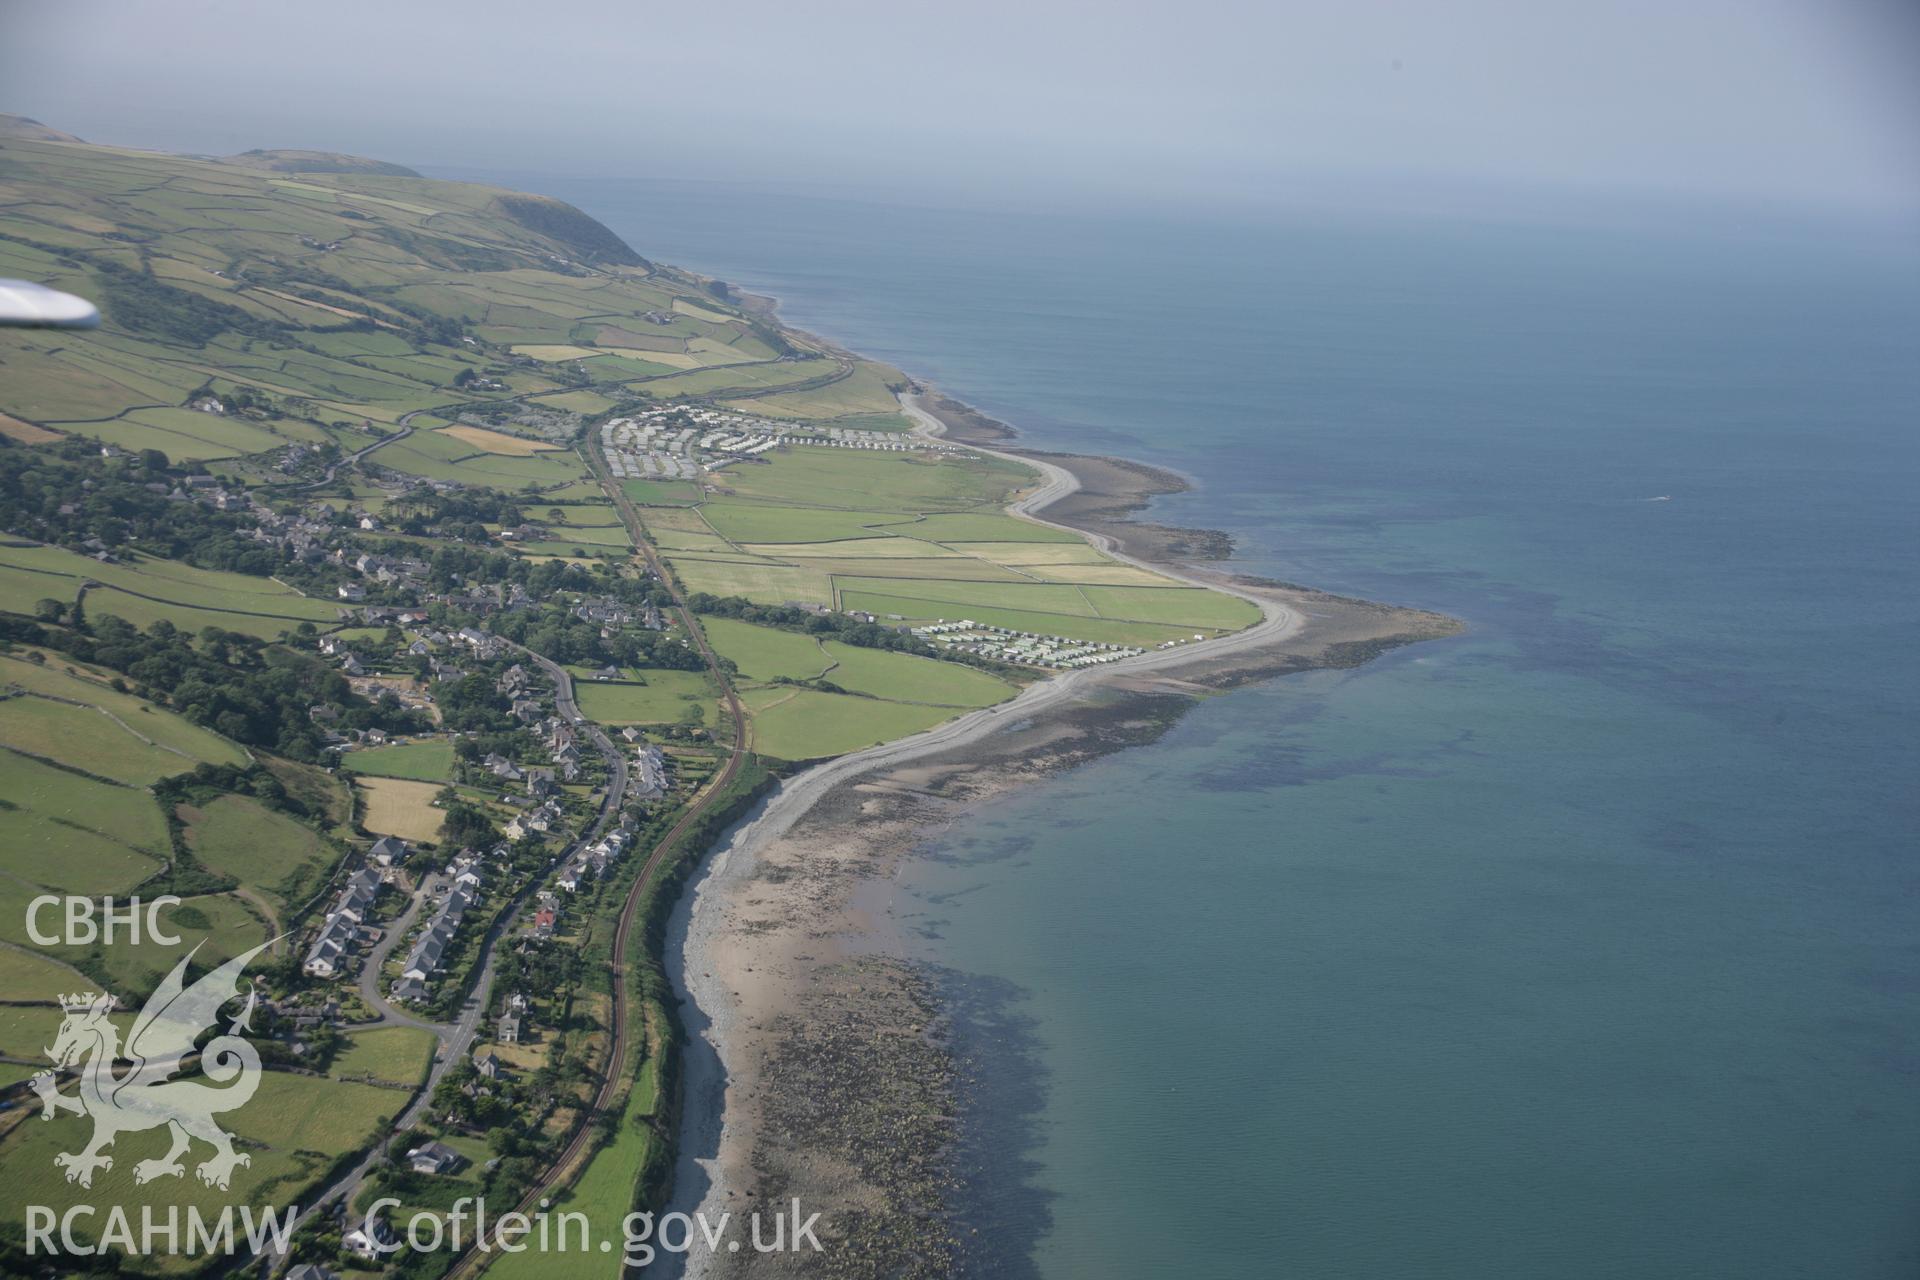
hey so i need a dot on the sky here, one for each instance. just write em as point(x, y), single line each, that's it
point(1801, 103)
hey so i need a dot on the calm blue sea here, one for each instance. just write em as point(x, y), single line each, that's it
point(1582, 946)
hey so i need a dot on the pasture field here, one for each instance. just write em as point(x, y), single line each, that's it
point(293, 1129)
point(611, 535)
point(933, 568)
point(60, 572)
point(430, 761)
point(438, 456)
point(49, 804)
point(765, 653)
point(1024, 555)
point(919, 537)
point(1033, 597)
point(579, 516)
point(667, 697)
point(398, 807)
point(25, 432)
point(221, 924)
point(398, 1055)
point(951, 527)
point(711, 544)
point(698, 312)
point(554, 353)
point(1111, 575)
point(610, 367)
point(908, 677)
point(29, 976)
point(762, 581)
point(662, 493)
point(240, 837)
point(750, 377)
point(910, 484)
point(805, 724)
point(584, 402)
point(877, 544)
point(574, 550)
point(38, 726)
point(1180, 606)
point(27, 1029)
point(865, 391)
point(65, 679)
point(488, 441)
point(750, 522)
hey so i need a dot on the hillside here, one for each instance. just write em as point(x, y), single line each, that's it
point(294, 161)
point(331, 300)
point(28, 129)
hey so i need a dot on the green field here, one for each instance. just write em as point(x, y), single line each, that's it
point(147, 589)
point(114, 735)
point(430, 761)
point(762, 581)
point(240, 837)
point(906, 483)
point(74, 832)
point(807, 725)
point(28, 975)
point(398, 1055)
point(666, 697)
point(765, 653)
point(224, 923)
point(293, 1129)
point(751, 522)
point(906, 677)
point(662, 493)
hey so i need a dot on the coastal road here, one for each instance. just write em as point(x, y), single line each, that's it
point(573, 1157)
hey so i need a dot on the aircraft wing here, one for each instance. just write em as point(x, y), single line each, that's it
point(34, 306)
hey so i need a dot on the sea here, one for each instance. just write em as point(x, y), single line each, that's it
point(1582, 945)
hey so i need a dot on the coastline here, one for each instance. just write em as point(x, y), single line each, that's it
point(816, 1059)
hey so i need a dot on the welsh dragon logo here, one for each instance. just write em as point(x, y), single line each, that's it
point(145, 1096)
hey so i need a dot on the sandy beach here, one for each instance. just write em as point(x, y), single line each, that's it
point(815, 1065)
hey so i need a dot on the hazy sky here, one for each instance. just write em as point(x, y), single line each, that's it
point(1797, 101)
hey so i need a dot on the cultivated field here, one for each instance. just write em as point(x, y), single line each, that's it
point(497, 441)
point(396, 807)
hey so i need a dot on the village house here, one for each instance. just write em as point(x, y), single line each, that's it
point(434, 1158)
point(389, 851)
point(372, 1239)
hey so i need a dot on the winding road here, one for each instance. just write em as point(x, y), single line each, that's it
point(457, 1038)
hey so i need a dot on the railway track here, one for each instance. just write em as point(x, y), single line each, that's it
point(572, 1159)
